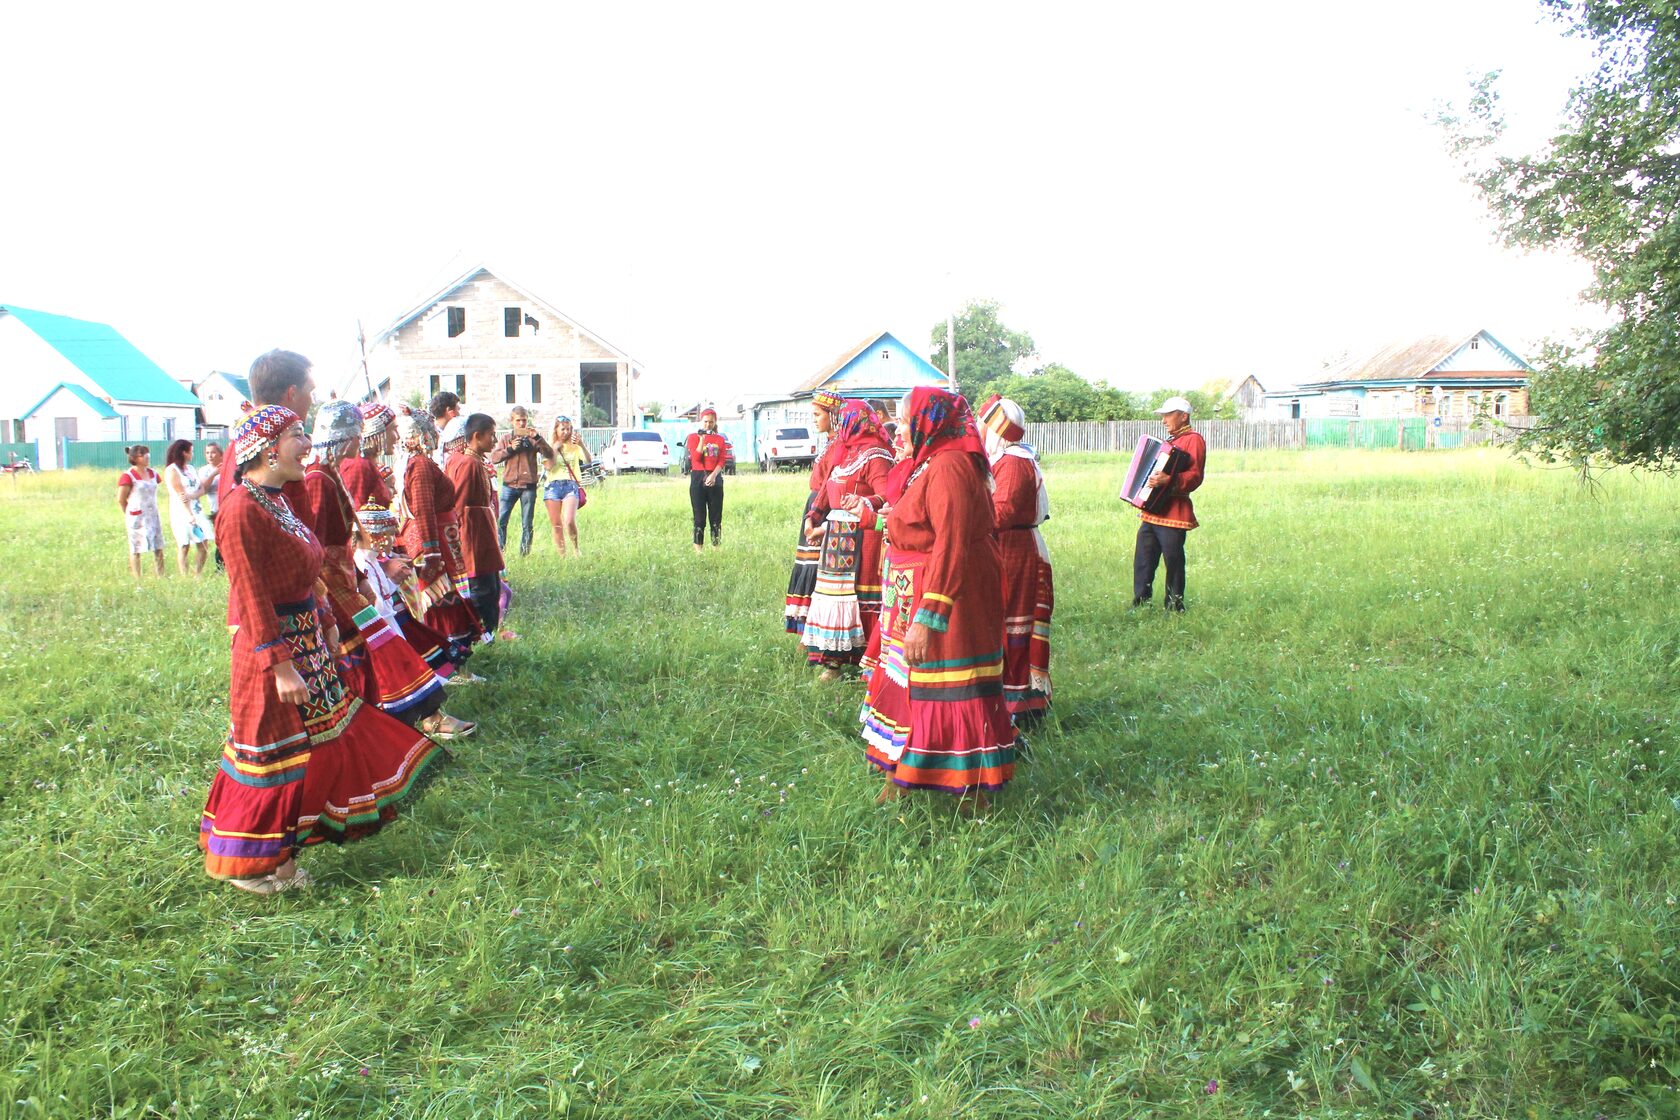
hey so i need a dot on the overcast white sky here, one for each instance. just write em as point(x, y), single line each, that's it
point(734, 193)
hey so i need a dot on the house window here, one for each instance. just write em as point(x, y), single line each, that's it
point(1294, 410)
point(457, 322)
point(885, 354)
point(437, 387)
point(1500, 406)
point(461, 386)
point(169, 428)
point(1475, 344)
point(536, 388)
point(512, 393)
point(510, 322)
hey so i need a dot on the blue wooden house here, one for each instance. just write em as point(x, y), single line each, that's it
point(880, 367)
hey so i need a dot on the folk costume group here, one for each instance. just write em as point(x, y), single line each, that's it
point(350, 604)
point(355, 594)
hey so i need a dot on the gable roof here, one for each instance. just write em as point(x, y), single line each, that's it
point(108, 359)
point(461, 281)
point(1411, 360)
point(102, 408)
point(852, 354)
point(240, 385)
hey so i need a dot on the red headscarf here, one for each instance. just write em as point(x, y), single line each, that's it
point(939, 421)
point(857, 429)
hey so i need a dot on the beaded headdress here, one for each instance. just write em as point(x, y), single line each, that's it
point(259, 431)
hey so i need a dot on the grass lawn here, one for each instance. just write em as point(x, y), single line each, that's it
point(1385, 825)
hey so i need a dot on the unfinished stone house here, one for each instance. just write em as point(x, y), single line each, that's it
point(495, 345)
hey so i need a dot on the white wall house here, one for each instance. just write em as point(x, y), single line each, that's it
point(495, 344)
point(222, 399)
point(1446, 377)
point(71, 379)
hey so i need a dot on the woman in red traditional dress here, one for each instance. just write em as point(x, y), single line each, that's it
point(303, 763)
point(803, 581)
point(430, 537)
point(934, 715)
point(1019, 506)
point(368, 482)
point(846, 600)
point(377, 664)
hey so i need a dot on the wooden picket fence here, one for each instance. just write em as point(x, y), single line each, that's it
point(1398, 434)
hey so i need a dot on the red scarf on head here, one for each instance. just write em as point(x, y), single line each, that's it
point(939, 421)
point(856, 430)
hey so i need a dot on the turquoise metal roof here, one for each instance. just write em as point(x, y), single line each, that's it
point(103, 408)
point(109, 360)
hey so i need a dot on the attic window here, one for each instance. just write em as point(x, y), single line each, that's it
point(511, 317)
point(1475, 344)
point(457, 322)
point(886, 354)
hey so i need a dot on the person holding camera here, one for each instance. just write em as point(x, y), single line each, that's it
point(516, 453)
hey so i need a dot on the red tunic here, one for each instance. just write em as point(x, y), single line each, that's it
point(432, 540)
point(475, 511)
point(942, 724)
point(1028, 591)
point(292, 774)
point(364, 480)
point(375, 661)
point(1179, 512)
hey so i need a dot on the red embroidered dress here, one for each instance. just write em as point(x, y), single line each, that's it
point(377, 664)
point(292, 774)
point(803, 580)
point(942, 724)
point(365, 482)
point(1028, 590)
point(846, 598)
point(431, 537)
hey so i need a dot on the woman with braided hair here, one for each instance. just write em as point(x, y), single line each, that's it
point(304, 762)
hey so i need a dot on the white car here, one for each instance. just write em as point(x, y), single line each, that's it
point(635, 449)
point(784, 447)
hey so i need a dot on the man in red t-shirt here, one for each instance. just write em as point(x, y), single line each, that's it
point(1162, 534)
point(707, 453)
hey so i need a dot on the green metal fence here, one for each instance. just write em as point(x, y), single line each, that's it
point(109, 455)
point(28, 450)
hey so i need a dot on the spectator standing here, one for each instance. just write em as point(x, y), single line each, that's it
point(187, 520)
point(137, 497)
point(516, 453)
point(707, 454)
point(563, 492)
point(445, 408)
point(213, 460)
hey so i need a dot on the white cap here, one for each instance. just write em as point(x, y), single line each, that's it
point(1173, 404)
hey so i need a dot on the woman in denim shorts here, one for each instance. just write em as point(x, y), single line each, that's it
point(563, 492)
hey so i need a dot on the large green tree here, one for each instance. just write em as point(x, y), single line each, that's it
point(1606, 187)
point(1056, 393)
point(987, 351)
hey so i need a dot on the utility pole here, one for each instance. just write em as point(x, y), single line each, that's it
point(951, 350)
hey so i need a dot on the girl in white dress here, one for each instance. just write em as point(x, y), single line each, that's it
point(187, 519)
point(137, 498)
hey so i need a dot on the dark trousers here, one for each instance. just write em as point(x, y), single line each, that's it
point(487, 600)
point(1154, 542)
point(707, 503)
point(527, 497)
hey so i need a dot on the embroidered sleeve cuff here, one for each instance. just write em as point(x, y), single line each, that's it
point(272, 653)
point(934, 611)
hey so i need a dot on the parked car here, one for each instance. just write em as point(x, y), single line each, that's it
point(786, 447)
point(634, 449)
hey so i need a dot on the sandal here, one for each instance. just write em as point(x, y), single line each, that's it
point(443, 727)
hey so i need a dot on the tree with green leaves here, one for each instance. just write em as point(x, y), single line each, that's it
point(987, 351)
point(1203, 405)
point(1607, 188)
point(1056, 394)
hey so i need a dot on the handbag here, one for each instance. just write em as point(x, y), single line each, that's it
point(583, 495)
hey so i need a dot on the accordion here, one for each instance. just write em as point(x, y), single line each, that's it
point(1150, 457)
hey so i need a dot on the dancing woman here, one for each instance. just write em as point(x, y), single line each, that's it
point(840, 519)
point(934, 716)
point(1020, 505)
point(802, 583)
point(431, 539)
point(303, 762)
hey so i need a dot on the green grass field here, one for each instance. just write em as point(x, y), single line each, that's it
point(1384, 826)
